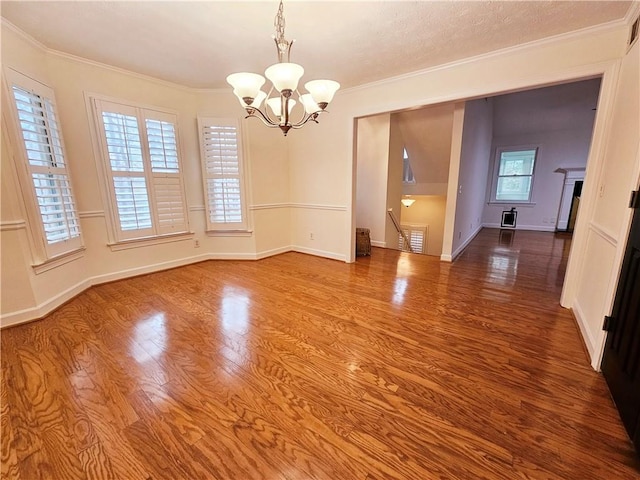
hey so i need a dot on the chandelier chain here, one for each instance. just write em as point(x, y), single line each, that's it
point(283, 45)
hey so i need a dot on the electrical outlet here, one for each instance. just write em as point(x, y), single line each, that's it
point(311, 236)
point(196, 243)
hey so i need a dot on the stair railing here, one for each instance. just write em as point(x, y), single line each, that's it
point(396, 224)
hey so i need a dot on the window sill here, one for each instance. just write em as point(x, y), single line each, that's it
point(229, 233)
point(150, 241)
point(58, 260)
point(513, 204)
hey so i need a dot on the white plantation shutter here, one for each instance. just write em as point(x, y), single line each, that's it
point(126, 165)
point(221, 153)
point(142, 162)
point(57, 208)
point(416, 235)
point(46, 165)
point(168, 190)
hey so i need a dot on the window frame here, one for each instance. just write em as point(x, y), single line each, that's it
point(97, 104)
point(44, 252)
point(224, 228)
point(408, 178)
point(496, 174)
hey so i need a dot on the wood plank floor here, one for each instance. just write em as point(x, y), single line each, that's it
point(297, 367)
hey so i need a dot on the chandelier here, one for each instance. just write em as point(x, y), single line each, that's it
point(284, 77)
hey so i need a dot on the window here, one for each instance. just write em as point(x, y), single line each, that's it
point(514, 178)
point(222, 173)
point(141, 161)
point(407, 173)
point(52, 205)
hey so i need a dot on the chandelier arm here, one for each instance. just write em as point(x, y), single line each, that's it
point(262, 117)
point(313, 118)
point(266, 114)
point(303, 119)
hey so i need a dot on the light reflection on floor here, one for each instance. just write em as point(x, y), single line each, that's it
point(502, 268)
point(234, 311)
point(399, 289)
point(235, 323)
point(153, 328)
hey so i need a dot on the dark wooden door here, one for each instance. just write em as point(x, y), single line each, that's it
point(621, 362)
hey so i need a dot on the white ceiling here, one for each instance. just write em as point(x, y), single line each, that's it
point(197, 44)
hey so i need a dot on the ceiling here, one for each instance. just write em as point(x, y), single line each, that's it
point(197, 44)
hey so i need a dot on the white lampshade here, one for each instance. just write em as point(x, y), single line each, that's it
point(257, 101)
point(309, 105)
point(322, 91)
point(284, 76)
point(407, 202)
point(246, 84)
point(276, 105)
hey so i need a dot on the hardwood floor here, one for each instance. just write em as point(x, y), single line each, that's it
point(298, 367)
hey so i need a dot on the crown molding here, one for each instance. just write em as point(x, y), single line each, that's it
point(626, 21)
point(22, 34)
point(106, 66)
point(68, 56)
point(576, 34)
point(632, 13)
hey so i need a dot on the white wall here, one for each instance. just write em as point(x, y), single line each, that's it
point(22, 289)
point(474, 165)
point(27, 294)
point(426, 133)
point(604, 220)
point(267, 172)
point(561, 59)
point(559, 120)
point(394, 181)
point(321, 169)
point(312, 156)
point(373, 171)
point(428, 210)
point(556, 149)
point(452, 188)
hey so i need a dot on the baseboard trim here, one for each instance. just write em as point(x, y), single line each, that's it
point(460, 249)
point(318, 253)
point(38, 312)
point(533, 228)
point(273, 252)
point(156, 267)
point(377, 243)
point(587, 339)
point(45, 308)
